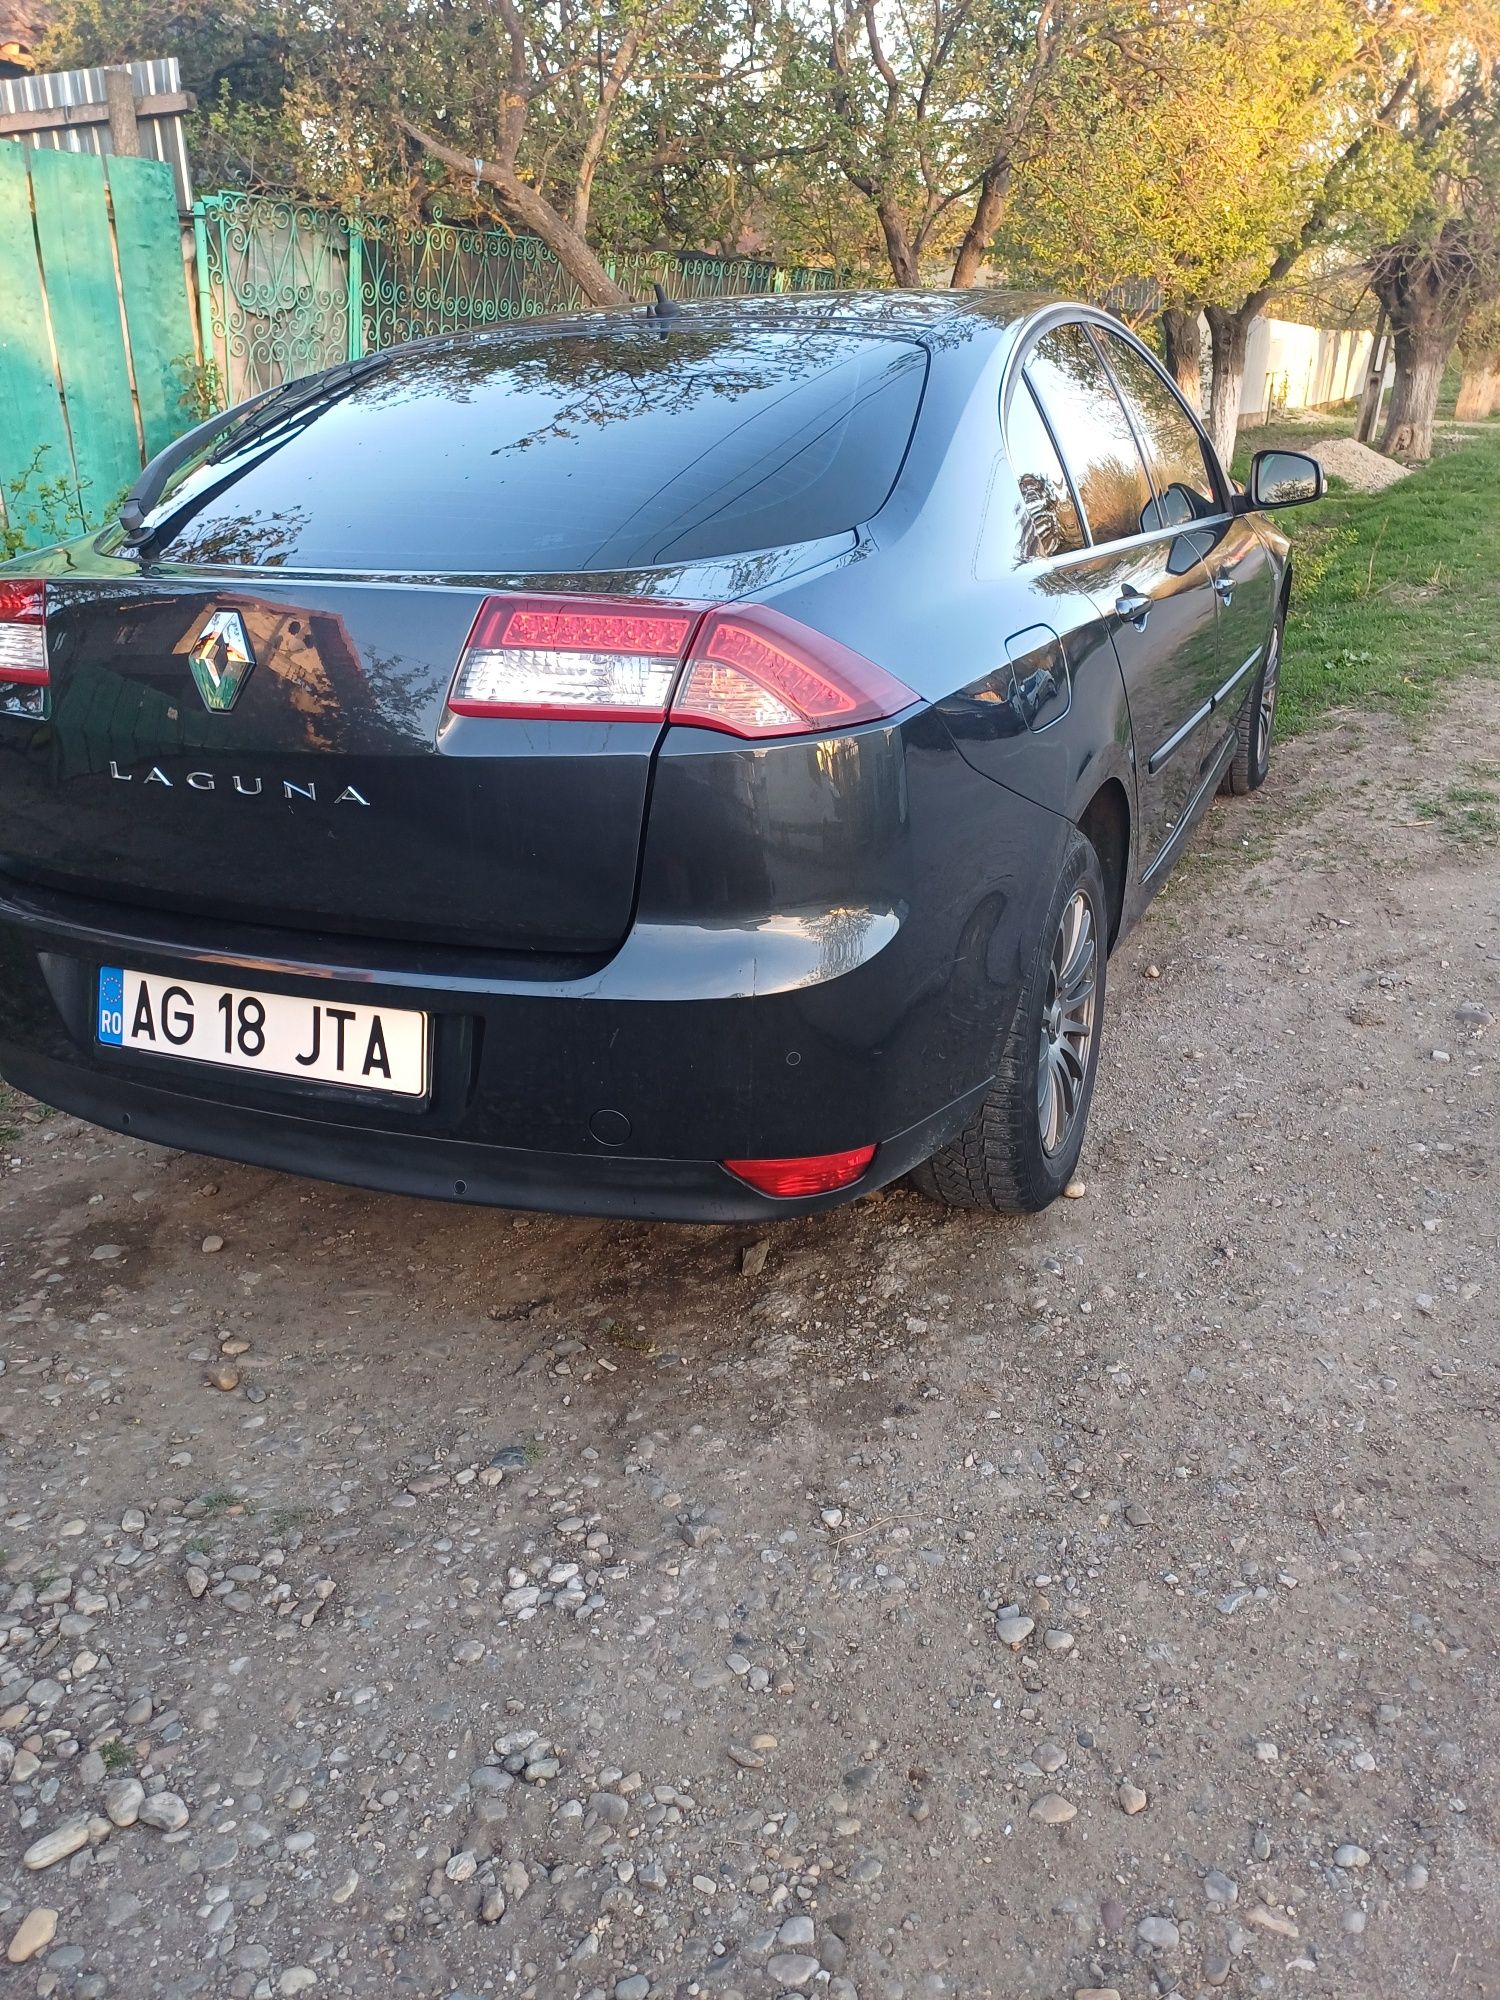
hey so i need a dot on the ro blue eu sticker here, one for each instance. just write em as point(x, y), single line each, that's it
point(112, 1005)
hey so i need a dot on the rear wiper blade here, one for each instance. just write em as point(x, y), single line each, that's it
point(208, 442)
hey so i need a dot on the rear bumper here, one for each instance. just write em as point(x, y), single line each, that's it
point(447, 1169)
point(794, 1030)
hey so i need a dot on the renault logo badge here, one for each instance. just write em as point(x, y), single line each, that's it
point(221, 660)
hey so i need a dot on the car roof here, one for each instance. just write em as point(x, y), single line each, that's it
point(936, 317)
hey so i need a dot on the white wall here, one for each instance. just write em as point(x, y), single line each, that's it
point(1293, 367)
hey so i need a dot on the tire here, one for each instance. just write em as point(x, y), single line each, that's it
point(1257, 723)
point(1003, 1160)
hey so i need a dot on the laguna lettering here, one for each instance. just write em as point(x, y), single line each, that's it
point(246, 787)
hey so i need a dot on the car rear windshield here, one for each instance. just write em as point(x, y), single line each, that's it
point(565, 452)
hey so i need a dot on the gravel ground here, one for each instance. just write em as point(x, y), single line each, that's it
point(413, 1601)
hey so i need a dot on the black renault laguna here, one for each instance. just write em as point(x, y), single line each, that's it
point(682, 766)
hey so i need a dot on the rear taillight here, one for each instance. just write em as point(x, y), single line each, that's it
point(572, 658)
point(812, 1173)
point(754, 672)
point(23, 633)
point(743, 669)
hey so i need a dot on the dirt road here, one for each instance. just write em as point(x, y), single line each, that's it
point(549, 1608)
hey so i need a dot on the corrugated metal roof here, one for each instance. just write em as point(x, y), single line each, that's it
point(161, 138)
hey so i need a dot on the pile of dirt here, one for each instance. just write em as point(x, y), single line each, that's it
point(1365, 470)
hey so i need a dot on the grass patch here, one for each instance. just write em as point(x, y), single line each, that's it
point(224, 1500)
point(117, 1756)
point(1397, 592)
point(10, 1115)
point(1467, 811)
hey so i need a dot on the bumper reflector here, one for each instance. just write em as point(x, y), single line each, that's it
point(812, 1173)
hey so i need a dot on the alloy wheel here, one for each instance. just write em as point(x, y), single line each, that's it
point(1067, 1023)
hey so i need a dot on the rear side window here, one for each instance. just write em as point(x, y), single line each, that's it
point(1093, 433)
point(1049, 523)
point(567, 452)
point(1174, 450)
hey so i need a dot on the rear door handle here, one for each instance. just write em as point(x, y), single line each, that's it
point(1224, 585)
point(1134, 605)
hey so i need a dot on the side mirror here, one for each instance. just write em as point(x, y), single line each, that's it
point(1284, 479)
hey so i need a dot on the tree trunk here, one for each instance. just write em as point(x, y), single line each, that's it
point(532, 211)
point(898, 245)
point(1230, 334)
point(1479, 391)
point(994, 190)
point(1423, 345)
point(1182, 344)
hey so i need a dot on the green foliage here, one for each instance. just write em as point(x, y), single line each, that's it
point(39, 509)
point(203, 393)
point(237, 58)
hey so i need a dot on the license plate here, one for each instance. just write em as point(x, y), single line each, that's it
point(274, 1034)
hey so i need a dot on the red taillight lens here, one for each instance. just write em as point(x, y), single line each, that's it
point(23, 633)
point(751, 670)
point(754, 672)
point(572, 658)
point(813, 1173)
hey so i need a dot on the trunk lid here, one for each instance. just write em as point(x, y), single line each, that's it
point(332, 792)
point(324, 557)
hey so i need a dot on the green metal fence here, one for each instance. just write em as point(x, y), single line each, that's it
point(284, 288)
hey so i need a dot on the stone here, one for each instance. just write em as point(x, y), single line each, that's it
point(223, 1375)
point(1132, 1799)
point(57, 1845)
point(132, 1521)
point(1052, 1809)
point(123, 1799)
point(1058, 1642)
point(753, 1260)
point(1049, 1757)
point(1075, 1190)
point(297, 1979)
point(1158, 1932)
point(1014, 1630)
point(796, 1969)
point(635, 1986)
point(797, 1933)
point(209, 1246)
point(165, 1811)
point(36, 1932)
point(1277, 1922)
point(1096, 1993)
point(1221, 1888)
point(1351, 1855)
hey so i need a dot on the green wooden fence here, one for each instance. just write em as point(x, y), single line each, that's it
point(96, 333)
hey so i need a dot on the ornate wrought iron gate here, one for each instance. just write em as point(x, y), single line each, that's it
point(284, 289)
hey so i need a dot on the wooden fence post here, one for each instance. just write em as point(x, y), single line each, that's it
point(119, 96)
